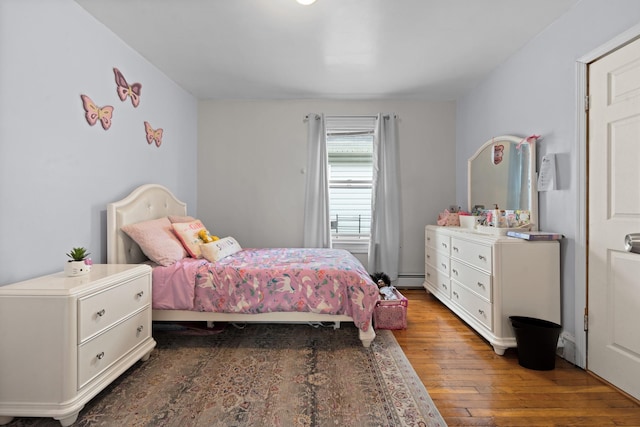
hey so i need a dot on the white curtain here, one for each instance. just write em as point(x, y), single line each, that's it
point(317, 226)
point(384, 246)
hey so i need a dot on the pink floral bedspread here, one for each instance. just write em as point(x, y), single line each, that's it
point(328, 281)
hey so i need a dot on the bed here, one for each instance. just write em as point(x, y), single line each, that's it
point(267, 285)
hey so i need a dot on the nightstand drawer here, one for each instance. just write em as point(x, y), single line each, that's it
point(97, 354)
point(98, 311)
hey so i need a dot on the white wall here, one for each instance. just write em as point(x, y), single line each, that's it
point(57, 173)
point(251, 153)
point(535, 92)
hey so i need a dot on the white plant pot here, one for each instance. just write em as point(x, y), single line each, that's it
point(76, 268)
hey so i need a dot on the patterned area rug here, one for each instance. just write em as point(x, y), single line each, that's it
point(264, 375)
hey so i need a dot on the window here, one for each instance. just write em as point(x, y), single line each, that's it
point(350, 153)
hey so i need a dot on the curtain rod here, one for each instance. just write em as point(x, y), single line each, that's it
point(386, 116)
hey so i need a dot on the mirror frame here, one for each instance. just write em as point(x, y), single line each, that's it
point(533, 175)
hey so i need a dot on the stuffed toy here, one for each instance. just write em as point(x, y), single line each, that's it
point(206, 237)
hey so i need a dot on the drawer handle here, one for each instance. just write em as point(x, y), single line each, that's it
point(482, 257)
point(140, 328)
point(139, 294)
point(443, 265)
point(444, 286)
point(100, 355)
point(444, 245)
point(454, 271)
point(455, 249)
point(481, 311)
point(428, 239)
point(101, 313)
point(428, 274)
point(455, 294)
point(428, 256)
point(481, 285)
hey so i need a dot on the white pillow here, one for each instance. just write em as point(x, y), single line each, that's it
point(219, 249)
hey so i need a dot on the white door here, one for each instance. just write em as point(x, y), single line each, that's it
point(613, 340)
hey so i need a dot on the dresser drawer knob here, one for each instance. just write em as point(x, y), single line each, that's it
point(455, 294)
point(444, 245)
point(140, 328)
point(481, 285)
point(481, 312)
point(444, 286)
point(100, 355)
point(101, 313)
point(482, 257)
point(139, 294)
point(454, 271)
point(443, 265)
point(455, 249)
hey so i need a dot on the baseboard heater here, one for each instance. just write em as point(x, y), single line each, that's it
point(410, 280)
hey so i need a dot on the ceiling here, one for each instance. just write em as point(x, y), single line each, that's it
point(332, 49)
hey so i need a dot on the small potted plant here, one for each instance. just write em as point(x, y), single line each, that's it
point(79, 264)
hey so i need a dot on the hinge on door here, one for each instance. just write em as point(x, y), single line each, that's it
point(586, 320)
point(586, 102)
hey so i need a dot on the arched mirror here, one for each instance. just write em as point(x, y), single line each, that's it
point(503, 172)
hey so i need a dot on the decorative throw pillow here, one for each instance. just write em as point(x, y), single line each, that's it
point(156, 240)
point(219, 249)
point(181, 218)
point(187, 233)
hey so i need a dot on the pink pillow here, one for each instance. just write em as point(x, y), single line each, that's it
point(181, 218)
point(157, 240)
point(187, 232)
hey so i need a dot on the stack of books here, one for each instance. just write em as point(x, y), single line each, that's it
point(535, 235)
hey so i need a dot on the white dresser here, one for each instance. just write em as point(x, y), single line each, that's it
point(484, 279)
point(64, 339)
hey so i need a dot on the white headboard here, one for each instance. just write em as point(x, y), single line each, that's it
point(149, 201)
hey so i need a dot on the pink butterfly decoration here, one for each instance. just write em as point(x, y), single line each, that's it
point(124, 89)
point(93, 113)
point(153, 135)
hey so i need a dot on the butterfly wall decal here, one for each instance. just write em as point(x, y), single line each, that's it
point(153, 135)
point(93, 113)
point(124, 89)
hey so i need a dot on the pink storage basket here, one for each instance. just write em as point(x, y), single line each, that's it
point(391, 314)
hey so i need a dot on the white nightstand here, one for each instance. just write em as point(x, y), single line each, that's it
point(64, 339)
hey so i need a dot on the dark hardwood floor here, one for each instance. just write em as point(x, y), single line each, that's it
point(473, 386)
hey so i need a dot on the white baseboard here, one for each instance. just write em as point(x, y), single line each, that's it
point(567, 347)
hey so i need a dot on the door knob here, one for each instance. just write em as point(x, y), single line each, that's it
point(632, 243)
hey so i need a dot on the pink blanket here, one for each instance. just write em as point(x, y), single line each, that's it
point(329, 281)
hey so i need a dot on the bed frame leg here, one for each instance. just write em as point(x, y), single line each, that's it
point(367, 336)
point(336, 325)
point(210, 324)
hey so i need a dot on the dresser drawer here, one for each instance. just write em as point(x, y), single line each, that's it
point(98, 311)
point(476, 254)
point(438, 241)
point(472, 304)
point(477, 281)
point(438, 260)
point(97, 354)
point(440, 281)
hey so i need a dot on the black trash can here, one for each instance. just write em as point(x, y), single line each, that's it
point(537, 341)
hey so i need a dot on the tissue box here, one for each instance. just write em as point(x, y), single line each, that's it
point(391, 314)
